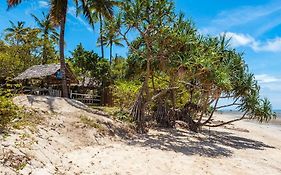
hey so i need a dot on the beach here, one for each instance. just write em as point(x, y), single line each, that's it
point(64, 145)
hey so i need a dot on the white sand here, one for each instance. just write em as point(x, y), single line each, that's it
point(63, 145)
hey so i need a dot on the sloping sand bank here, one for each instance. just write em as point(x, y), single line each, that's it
point(64, 145)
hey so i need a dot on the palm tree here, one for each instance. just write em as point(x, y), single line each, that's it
point(16, 31)
point(58, 17)
point(100, 10)
point(111, 36)
point(48, 33)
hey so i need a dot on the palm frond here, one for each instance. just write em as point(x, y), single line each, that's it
point(58, 11)
point(84, 9)
point(12, 3)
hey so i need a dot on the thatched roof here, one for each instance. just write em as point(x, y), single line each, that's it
point(38, 71)
point(48, 71)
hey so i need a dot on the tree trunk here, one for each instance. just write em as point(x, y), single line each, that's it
point(138, 112)
point(44, 55)
point(62, 61)
point(111, 45)
point(142, 101)
point(186, 116)
point(101, 36)
point(173, 94)
point(163, 115)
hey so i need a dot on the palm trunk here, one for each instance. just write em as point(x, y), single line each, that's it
point(101, 36)
point(44, 55)
point(111, 45)
point(62, 61)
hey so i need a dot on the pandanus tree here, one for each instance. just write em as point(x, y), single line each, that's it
point(48, 33)
point(206, 70)
point(193, 72)
point(58, 11)
point(147, 18)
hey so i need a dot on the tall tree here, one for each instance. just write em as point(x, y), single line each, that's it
point(147, 18)
point(24, 44)
point(48, 33)
point(111, 37)
point(16, 31)
point(101, 10)
point(85, 62)
point(58, 17)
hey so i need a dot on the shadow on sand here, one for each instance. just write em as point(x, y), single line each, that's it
point(34, 99)
point(207, 143)
point(51, 106)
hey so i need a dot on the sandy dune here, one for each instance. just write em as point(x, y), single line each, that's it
point(64, 145)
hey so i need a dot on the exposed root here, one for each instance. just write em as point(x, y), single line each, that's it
point(137, 112)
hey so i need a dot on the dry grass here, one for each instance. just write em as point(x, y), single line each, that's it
point(93, 123)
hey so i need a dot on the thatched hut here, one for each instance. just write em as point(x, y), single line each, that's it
point(48, 72)
point(47, 76)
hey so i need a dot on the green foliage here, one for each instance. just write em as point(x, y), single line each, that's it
point(10, 66)
point(123, 116)
point(23, 47)
point(84, 61)
point(182, 69)
point(125, 93)
point(89, 64)
point(8, 111)
point(102, 72)
point(48, 38)
point(119, 68)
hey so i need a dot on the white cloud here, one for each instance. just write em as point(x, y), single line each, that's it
point(269, 83)
point(273, 45)
point(243, 15)
point(265, 78)
point(72, 12)
point(43, 4)
point(253, 17)
point(239, 39)
point(270, 88)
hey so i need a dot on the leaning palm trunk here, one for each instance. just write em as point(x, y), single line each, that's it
point(62, 61)
point(101, 36)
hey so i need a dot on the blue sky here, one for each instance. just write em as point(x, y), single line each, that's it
point(253, 25)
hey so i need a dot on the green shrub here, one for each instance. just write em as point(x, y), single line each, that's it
point(8, 110)
point(124, 93)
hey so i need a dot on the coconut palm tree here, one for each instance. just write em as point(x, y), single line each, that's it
point(16, 31)
point(58, 13)
point(101, 10)
point(111, 36)
point(48, 33)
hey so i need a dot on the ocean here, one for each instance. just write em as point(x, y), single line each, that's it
point(238, 114)
point(278, 112)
